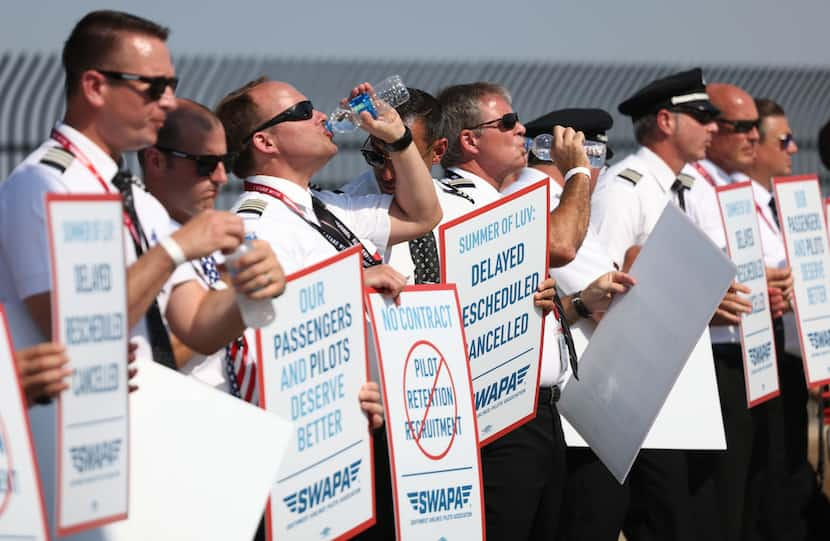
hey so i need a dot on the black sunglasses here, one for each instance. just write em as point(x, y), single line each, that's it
point(206, 163)
point(157, 84)
point(297, 112)
point(702, 116)
point(785, 139)
point(505, 123)
point(741, 126)
point(374, 158)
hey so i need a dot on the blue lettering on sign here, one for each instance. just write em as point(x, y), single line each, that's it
point(800, 199)
point(489, 268)
point(499, 336)
point(812, 270)
point(804, 222)
point(440, 499)
point(738, 208)
point(87, 231)
point(819, 339)
point(505, 386)
point(816, 295)
point(759, 303)
point(807, 247)
point(750, 271)
point(98, 378)
point(760, 354)
point(90, 278)
point(95, 456)
point(8, 481)
point(323, 490)
point(474, 239)
point(745, 238)
point(309, 332)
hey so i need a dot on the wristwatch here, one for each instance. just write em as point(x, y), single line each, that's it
point(402, 143)
point(579, 306)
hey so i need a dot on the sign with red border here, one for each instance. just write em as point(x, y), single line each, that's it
point(801, 214)
point(22, 510)
point(89, 316)
point(313, 363)
point(496, 256)
point(431, 424)
point(743, 242)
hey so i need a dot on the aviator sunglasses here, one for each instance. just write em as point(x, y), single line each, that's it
point(702, 116)
point(505, 123)
point(297, 112)
point(741, 126)
point(157, 84)
point(785, 139)
point(205, 163)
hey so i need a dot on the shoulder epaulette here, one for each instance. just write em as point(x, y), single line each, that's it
point(630, 175)
point(252, 206)
point(449, 188)
point(57, 157)
point(686, 180)
point(459, 182)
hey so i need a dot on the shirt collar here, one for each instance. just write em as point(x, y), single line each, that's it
point(661, 171)
point(294, 192)
point(479, 182)
point(528, 176)
point(721, 177)
point(101, 161)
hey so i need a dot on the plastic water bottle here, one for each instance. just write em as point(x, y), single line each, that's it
point(540, 147)
point(391, 92)
point(255, 313)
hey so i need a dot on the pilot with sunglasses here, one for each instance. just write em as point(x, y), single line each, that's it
point(674, 122)
point(119, 89)
point(728, 481)
point(523, 471)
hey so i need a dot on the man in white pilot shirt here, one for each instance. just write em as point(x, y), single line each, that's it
point(594, 504)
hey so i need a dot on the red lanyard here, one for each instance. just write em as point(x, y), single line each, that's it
point(705, 174)
point(73, 149)
point(369, 259)
point(267, 190)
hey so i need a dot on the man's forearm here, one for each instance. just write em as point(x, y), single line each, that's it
point(414, 192)
point(569, 221)
point(213, 323)
point(145, 278)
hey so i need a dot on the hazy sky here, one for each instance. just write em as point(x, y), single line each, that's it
point(765, 32)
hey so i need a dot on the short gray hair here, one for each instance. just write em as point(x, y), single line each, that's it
point(461, 105)
point(644, 128)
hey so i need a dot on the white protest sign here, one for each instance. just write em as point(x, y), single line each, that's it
point(691, 416)
point(743, 240)
point(496, 256)
point(313, 363)
point(202, 462)
point(22, 513)
point(642, 344)
point(430, 417)
point(801, 214)
point(89, 316)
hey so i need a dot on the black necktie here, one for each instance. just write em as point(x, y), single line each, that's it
point(681, 184)
point(424, 252)
point(159, 339)
point(566, 332)
point(774, 210)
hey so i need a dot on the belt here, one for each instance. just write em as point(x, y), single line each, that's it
point(549, 395)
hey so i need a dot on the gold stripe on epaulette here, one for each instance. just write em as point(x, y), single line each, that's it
point(686, 180)
point(630, 175)
point(58, 158)
point(252, 206)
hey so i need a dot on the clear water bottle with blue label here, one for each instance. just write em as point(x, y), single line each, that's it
point(255, 313)
point(540, 147)
point(390, 92)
